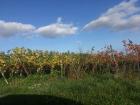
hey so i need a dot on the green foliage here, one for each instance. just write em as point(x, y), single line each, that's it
point(97, 89)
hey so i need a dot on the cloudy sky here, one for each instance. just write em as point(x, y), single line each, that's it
point(63, 25)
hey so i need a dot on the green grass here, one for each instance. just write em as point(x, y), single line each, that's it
point(92, 90)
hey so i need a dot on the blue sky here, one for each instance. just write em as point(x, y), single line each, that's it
point(63, 25)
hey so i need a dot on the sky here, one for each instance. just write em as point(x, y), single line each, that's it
point(62, 25)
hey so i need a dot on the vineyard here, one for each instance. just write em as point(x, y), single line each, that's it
point(23, 62)
point(70, 52)
point(39, 77)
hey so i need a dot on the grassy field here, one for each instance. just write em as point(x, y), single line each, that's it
point(97, 89)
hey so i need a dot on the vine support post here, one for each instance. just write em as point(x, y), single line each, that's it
point(4, 77)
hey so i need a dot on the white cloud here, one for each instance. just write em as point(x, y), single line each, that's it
point(124, 16)
point(8, 29)
point(57, 29)
point(59, 19)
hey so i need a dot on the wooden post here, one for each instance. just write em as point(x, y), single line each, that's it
point(4, 77)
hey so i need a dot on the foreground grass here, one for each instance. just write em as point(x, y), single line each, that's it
point(91, 90)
